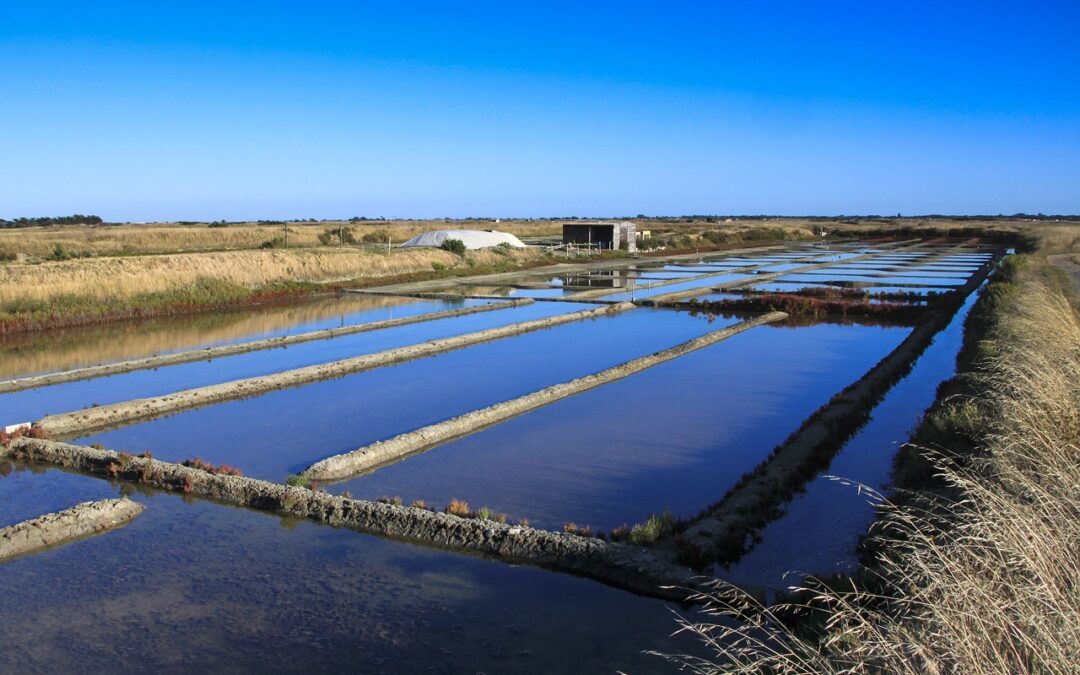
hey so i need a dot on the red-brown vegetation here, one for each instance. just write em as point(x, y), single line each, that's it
point(219, 470)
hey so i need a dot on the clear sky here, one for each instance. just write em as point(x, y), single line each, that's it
point(192, 110)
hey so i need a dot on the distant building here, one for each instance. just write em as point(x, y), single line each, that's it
point(605, 236)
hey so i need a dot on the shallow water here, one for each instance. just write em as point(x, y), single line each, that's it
point(284, 431)
point(55, 350)
point(28, 492)
point(794, 286)
point(609, 456)
point(820, 527)
point(829, 275)
point(165, 594)
point(646, 291)
point(35, 403)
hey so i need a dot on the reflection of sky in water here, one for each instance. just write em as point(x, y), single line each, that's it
point(919, 281)
point(677, 435)
point(26, 493)
point(791, 287)
point(64, 349)
point(285, 431)
point(34, 403)
point(643, 291)
point(912, 271)
point(189, 586)
point(821, 526)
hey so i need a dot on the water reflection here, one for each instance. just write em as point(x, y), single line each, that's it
point(56, 350)
point(193, 586)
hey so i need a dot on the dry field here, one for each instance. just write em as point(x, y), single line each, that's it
point(124, 277)
point(39, 242)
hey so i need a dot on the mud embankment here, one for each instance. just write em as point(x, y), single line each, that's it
point(161, 360)
point(616, 564)
point(116, 414)
point(366, 458)
point(65, 526)
point(720, 533)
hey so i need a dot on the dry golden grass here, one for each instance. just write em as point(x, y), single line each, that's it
point(39, 242)
point(991, 585)
point(125, 277)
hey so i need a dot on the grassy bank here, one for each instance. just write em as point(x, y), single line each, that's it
point(974, 565)
point(93, 291)
point(126, 239)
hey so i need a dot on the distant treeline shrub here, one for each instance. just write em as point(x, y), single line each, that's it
point(77, 219)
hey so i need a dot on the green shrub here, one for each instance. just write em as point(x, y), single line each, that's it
point(298, 480)
point(652, 529)
point(61, 253)
point(276, 242)
point(454, 246)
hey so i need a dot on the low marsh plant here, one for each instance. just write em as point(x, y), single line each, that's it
point(652, 529)
point(620, 533)
point(32, 431)
point(298, 480)
point(579, 530)
point(459, 508)
point(217, 470)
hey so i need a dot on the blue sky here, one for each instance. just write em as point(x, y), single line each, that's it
point(191, 110)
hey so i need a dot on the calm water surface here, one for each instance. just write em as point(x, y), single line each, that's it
point(196, 586)
point(35, 403)
point(285, 431)
point(821, 526)
point(675, 436)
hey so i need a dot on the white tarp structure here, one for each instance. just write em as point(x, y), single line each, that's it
point(473, 239)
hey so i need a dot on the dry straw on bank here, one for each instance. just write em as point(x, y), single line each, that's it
point(126, 277)
point(134, 239)
point(991, 587)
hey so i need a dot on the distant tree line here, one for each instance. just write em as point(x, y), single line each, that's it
point(77, 219)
